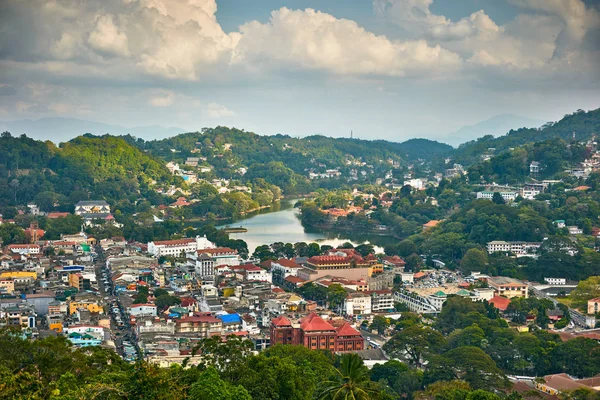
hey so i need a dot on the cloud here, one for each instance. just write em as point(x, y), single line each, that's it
point(215, 110)
point(106, 38)
point(59, 108)
point(312, 39)
point(7, 90)
point(23, 107)
point(162, 98)
point(549, 35)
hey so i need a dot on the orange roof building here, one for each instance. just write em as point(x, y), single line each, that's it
point(313, 332)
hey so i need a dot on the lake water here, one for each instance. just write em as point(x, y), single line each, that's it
point(281, 223)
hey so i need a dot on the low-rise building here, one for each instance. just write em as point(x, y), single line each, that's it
point(489, 195)
point(175, 248)
point(381, 300)
point(593, 306)
point(508, 287)
point(143, 310)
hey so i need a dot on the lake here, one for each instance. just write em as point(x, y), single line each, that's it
point(281, 223)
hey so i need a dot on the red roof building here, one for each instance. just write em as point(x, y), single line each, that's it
point(315, 333)
point(54, 215)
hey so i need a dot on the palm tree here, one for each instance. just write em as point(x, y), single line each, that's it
point(351, 382)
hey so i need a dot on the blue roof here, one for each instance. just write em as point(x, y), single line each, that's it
point(230, 318)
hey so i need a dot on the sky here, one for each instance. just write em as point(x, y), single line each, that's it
point(390, 69)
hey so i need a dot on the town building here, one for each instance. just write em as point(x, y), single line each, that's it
point(221, 255)
point(357, 303)
point(142, 310)
point(350, 266)
point(24, 249)
point(381, 300)
point(315, 333)
point(92, 209)
point(520, 249)
point(175, 248)
point(508, 287)
point(489, 195)
point(556, 281)
point(593, 306)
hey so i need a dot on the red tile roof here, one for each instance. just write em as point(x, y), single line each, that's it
point(287, 263)
point(281, 321)
point(313, 323)
point(294, 279)
point(53, 215)
point(323, 260)
point(501, 303)
point(218, 250)
point(347, 330)
point(177, 242)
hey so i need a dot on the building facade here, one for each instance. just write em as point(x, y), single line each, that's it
point(315, 333)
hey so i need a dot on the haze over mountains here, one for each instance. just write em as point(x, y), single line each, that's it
point(495, 126)
point(59, 129)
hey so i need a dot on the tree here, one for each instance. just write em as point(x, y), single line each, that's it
point(336, 294)
point(211, 386)
point(406, 248)
point(380, 324)
point(350, 382)
point(585, 290)
point(414, 262)
point(165, 301)
point(472, 365)
point(474, 260)
point(415, 343)
point(497, 198)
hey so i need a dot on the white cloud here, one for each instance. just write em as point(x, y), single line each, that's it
point(107, 38)
point(162, 98)
point(315, 40)
point(59, 108)
point(215, 110)
point(23, 107)
point(549, 36)
point(415, 16)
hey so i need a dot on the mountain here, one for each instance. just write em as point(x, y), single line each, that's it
point(581, 124)
point(87, 167)
point(495, 126)
point(64, 129)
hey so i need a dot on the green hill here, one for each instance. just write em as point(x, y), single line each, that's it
point(581, 123)
point(104, 167)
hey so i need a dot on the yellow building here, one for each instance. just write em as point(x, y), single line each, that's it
point(76, 281)
point(593, 306)
point(7, 285)
point(18, 275)
point(89, 305)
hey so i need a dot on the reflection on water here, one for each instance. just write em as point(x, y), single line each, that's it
point(281, 223)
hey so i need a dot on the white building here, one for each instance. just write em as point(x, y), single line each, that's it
point(24, 248)
point(507, 196)
point(357, 303)
point(381, 300)
point(174, 248)
point(517, 248)
point(556, 281)
point(416, 183)
point(222, 255)
point(205, 267)
point(285, 268)
point(142, 310)
point(574, 230)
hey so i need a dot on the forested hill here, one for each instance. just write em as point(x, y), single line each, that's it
point(581, 123)
point(299, 154)
point(86, 167)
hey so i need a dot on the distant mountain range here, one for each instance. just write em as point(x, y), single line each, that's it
point(495, 126)
point(64, 129)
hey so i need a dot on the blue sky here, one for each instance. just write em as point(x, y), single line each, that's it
point(392, 69)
